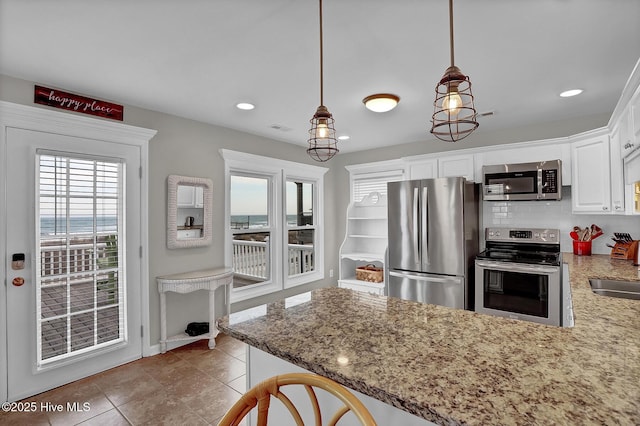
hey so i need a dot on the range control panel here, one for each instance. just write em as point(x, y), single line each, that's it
point(524, 235)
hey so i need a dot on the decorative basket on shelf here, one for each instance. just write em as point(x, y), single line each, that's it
point(369, 273)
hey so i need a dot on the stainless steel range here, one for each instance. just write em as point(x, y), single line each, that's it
point(519, 275)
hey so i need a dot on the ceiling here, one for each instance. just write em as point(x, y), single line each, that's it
point(198, 58)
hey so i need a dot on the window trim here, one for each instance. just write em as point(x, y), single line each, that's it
point(281, 170)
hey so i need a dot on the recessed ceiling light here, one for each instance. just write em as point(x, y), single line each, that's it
point(344, 137)
point(245, 106)
point(570, 93)
point(381, 102)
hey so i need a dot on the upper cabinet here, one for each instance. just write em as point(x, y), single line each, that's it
point(625, 121)
point(457, 165)
point(423, 168)
point(591, 180)
point(634, 127)
point(434, 166)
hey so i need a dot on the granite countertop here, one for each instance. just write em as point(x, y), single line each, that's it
point(458, 367)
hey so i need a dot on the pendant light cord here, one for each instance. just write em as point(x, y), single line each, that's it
point(321, 61)
point(450, 28)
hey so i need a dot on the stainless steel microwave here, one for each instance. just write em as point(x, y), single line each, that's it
point(522, 181)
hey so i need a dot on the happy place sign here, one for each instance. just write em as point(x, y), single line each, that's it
point(64, 100)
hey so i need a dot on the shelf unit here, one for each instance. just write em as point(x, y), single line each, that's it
point(365, 242)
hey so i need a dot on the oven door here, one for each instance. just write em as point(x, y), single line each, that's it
point(520, 291)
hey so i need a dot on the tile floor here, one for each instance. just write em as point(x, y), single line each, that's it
point(190, 385)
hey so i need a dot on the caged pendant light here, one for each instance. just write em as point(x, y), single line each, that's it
point(323, 144)
point(454, 115)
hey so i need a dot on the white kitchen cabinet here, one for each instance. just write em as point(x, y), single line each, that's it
point(618, 135)
point(190, 196)
point(423, 169)
point(627, 126)
point(365, 242)
point(622, 133)
point(457, 165)
point(634, 127)
point(591, 180)
point(435, 166)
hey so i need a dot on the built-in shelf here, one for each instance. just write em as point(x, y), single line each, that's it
point(365, 242)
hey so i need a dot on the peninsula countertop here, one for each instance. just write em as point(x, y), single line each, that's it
point(455, 367)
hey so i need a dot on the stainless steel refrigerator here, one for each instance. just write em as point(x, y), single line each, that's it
point(433, 240)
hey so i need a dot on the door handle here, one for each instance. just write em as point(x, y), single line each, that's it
point(416, 229)
point(424, 231)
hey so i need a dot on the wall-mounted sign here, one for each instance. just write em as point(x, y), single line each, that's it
point(64, 100)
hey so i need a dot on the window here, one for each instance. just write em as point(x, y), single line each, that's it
point(373, 177)
point(251, 220)
point(300, 227)
point(274, 223)
point(80, 282)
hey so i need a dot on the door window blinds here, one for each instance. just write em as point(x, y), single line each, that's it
point(80, 270)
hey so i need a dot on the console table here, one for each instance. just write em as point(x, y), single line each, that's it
point(186, 282)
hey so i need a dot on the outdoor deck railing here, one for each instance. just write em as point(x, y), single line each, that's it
point(251, 258)
point(56, 258)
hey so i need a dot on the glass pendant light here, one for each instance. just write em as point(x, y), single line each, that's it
point(323, 144)
point(454, 115)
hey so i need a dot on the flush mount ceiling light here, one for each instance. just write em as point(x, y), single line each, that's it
point(323, 144)
point(570, 93)
point(454, 115)
point(246, 106)
point(381, 102)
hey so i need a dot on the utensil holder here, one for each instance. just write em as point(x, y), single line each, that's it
point(582, 248)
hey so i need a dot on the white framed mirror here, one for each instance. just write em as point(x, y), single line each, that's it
point(189, 211)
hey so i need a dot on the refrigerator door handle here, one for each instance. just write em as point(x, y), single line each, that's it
point(424, 228)
point(430, 278)
point(416, 238)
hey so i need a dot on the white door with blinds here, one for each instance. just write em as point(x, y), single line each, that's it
point(73, 211)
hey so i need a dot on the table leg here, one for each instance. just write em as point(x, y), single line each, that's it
point(213, 327)
point(163, 322)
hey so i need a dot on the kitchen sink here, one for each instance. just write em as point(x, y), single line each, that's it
point(615, 288)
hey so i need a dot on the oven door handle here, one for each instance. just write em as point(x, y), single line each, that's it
point(517, 267)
